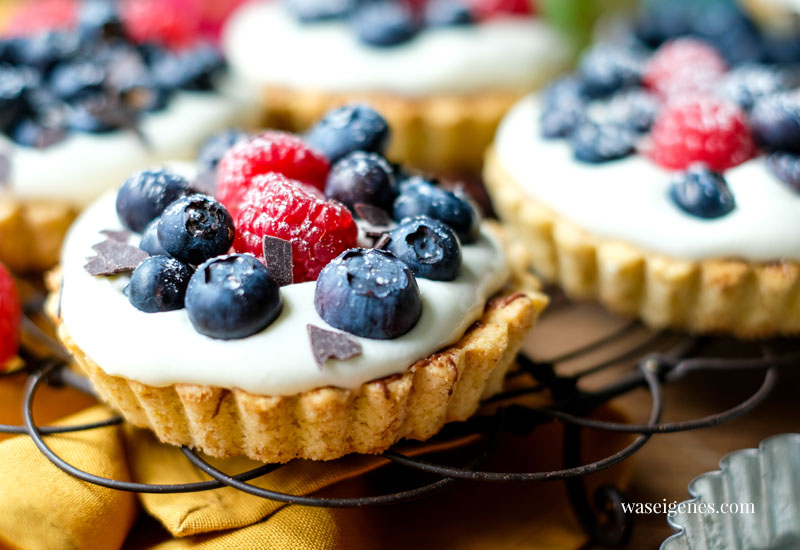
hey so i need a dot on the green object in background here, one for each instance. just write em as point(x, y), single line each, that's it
point(577, 17)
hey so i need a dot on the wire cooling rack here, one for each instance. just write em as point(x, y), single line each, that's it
point(648, 363)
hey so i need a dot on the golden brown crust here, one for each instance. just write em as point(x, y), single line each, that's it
point(328, 423)
point(31, 233)
point(749, 300)
point(780, 17)
point(445, 134)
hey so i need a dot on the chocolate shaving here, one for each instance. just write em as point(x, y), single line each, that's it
point(112, 111)
point(278, 257)
point(372, 214)
point(5, 169)
point(121, 235)
point(327, 344)
point(114, 257)
point(383, 240)
point(49, 136)
point(206, 183)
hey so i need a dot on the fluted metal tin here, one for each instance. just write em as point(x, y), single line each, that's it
point(768, 478)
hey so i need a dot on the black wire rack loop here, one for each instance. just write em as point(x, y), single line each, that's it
point(601, 514)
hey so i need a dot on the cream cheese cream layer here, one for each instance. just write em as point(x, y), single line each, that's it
point(269, 46)
point(628, 199)
point(161, 349)
point(78, 169)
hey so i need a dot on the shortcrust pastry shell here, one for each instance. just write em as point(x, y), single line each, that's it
point(729, 296)
point(327, 423)
point(443, 134)
point(31, 233)
point(776, 16)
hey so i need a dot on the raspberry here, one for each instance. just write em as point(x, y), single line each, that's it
point(270, 151)
point(701, 128)
point(10, 317)
point(172, 23)
point(43, 15)
point(488, 9)
point(319, 230)
point(213, 14)
point(684, 65)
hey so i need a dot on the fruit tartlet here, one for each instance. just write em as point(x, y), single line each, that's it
point(305, 310)
point(664, 183)
point(89, 94)
point(443, 72)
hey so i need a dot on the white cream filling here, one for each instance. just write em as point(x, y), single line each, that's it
point(163, 348)
point(628, 199)
point(269, 46)
point(81, 167)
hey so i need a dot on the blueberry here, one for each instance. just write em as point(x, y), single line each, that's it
point(775, 121)
point(447, 13)
point(369, 293)
point(159, 284)
point(557, 123)
point(748, 84)
point(730, 30)
point(782, 48)
point(13, 97)
point(150, 242)
point(564, 92)
point(10, 49)
point(384, 23)
point(99, 20)
point(195, 228)
point(361, 177)
point(607, 68)
point(214, 148)
point(595, 143)
point(702, 193)
point(71, 80)
point(191, 69)
point(145, 195)
point(786, 167)
point(660, 21)
point(347, 129)
point(563, 108)
point(232, 297)
point(43, 51)
point(633, 109)
point(419, 198)
point(312, 11)
point(31, 133)
point(428, 247)
point(83, 117)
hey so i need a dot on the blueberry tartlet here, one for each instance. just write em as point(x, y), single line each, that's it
point(89, 92)
point(443, 72)
point(302, 309)
point(663, 179)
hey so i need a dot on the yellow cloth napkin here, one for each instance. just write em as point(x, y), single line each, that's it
point(293, 527)
point(227, 508)
point(469, 516)
point(41, 507)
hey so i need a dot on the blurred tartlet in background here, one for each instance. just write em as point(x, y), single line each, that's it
point(443, 72)
point(91, 91)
